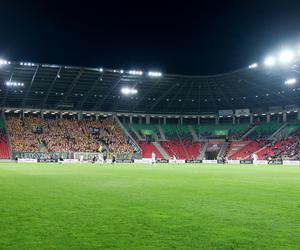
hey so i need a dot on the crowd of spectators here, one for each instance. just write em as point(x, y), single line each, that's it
point(285, 149)
point(32, 134)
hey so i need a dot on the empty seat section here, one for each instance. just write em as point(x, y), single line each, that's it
point(174, 147)
point(4, 148)
point(264, 130)
point(148, 148)
point(248, 150)
point(146, 130)
point(234, 131)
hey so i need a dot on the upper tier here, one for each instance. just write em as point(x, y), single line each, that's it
point(48, 86)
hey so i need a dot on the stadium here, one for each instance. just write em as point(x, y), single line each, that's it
point(135, 158)
point(230, 116)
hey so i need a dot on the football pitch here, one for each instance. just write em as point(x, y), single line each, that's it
point(74, 206)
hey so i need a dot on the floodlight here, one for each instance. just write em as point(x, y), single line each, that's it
point(252, 66)
point(290, 81)
point(269, 61)
point(154, 74)
point(15, 84)
point(126, 91)
point(136, 72)
point(129, 91)
point(286, 56)
point(3, 62)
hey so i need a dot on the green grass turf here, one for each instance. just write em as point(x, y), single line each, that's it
point(77, 206)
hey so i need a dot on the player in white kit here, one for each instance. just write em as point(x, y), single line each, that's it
point(174, 159)
point(81, 158)
point(255, 158)
point(153, 158)
point(101, 158)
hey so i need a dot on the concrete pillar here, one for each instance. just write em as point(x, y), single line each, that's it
point(140, 120)
point(60, 115)
point(147, 119)
point(268, 117)
point(278, 118)
point(251, 118)
point(181, 120)
point(216, 119)
point(42, 114)
point(198, 120)
point(165, 120)
point(284, 116)
point(130, 119)
point(233, 119)
point(298, 114)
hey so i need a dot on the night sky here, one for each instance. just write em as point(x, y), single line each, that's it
point(200, 37)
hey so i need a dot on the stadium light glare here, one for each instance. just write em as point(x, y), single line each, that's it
point(128, 91)
point(253, 66)
point(135, 72)
point(270, 61)
point(27, 64)
point(4, 62)
point(290, 81)
point(286, 56)
point(14, 84)
point(154, 74)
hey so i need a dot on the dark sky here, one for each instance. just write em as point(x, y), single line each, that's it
point(199, 37)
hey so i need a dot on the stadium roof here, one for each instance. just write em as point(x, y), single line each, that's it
point(49, 86)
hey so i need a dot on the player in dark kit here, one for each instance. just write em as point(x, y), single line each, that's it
point(113, 159)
